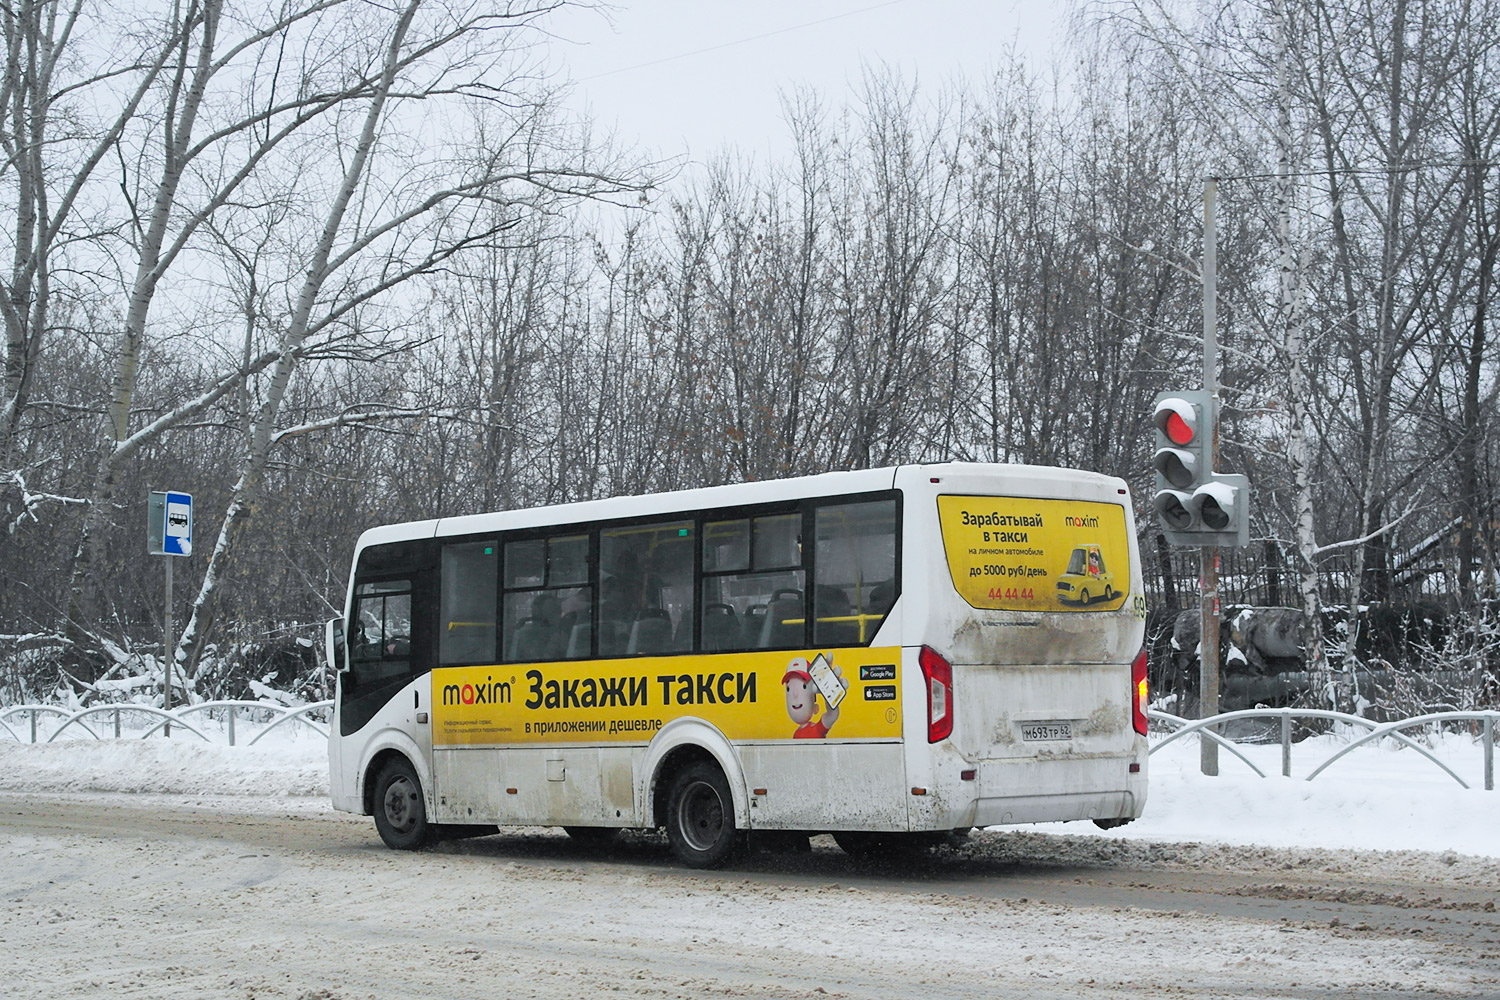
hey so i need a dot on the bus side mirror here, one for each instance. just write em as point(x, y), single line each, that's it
point(333, 646)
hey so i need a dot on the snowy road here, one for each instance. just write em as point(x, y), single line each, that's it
point(152, 896)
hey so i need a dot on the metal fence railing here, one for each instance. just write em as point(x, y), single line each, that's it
point(1374, 731)
point(273, 715)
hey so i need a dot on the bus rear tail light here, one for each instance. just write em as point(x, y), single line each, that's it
point(938, 673)
point(1138, 693)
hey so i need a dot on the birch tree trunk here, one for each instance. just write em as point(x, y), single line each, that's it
point(246, 495)
point(1292, 322)
point(51, 154)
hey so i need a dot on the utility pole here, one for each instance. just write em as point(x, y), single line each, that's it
point(1197, 504)
point(1208, 573)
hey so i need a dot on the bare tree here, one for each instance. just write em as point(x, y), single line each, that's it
point(378, 233)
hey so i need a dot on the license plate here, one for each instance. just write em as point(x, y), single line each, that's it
point(1047, 731)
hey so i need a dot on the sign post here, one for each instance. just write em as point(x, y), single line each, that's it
point(169, 533)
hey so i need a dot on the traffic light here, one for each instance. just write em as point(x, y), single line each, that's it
point(1196, 505)
point(1183, 430)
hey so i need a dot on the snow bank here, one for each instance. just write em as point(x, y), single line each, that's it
point(186, 766)
point(1375, 798)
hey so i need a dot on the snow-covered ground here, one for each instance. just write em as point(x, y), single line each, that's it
point(1376, 798)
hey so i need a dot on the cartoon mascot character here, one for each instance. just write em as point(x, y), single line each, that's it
point(802, 701)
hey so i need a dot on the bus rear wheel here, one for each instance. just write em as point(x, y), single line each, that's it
point(400, 813)
point(700, 817)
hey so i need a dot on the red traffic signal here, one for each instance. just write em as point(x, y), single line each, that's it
point(1178, 430)
point(1182, 421)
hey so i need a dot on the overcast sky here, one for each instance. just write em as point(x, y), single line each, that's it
point(693, 76)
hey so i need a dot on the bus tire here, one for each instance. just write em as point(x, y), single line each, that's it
point(400, 812)
point(700, 817)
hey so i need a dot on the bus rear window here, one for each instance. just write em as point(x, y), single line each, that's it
point(1022, 554)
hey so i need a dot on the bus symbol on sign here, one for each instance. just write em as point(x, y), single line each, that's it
point(169, 529)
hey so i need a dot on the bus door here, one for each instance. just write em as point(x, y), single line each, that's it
point(389, 646)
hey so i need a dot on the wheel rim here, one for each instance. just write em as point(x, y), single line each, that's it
point(401, 804)
point(1083, 597)
point(700, 816)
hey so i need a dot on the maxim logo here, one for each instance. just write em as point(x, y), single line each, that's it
point(491, 692)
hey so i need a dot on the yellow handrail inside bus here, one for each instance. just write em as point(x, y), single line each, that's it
point(840, 618)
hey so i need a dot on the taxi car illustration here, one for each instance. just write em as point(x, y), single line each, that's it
point(1085, 580)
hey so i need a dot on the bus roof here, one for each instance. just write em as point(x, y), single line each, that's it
point(708, 497)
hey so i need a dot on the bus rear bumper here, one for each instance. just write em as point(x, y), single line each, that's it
point(1055, 790)
point(1054, 808)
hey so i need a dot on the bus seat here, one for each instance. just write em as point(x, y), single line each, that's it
point(832, 602)
point(682, 635)
point(652, 634)
point(783, 626)
point(750, 625)
point(721, 628)
point(882, 596)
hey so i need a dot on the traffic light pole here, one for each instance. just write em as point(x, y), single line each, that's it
point(1208, 576)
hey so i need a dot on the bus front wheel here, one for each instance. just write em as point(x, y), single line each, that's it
point(700, 817)
point(400, 814)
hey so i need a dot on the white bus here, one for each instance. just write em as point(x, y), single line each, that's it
point(886, 655)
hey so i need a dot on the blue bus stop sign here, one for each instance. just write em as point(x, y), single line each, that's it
point(169, 524)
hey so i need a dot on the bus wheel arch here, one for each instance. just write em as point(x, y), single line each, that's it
point(389, 746)
point(680, 744)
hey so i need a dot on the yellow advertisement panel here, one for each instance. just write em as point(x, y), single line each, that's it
point(1018, 554)
point(829, 694)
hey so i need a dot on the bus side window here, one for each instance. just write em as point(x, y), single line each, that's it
point(855, 563)
point(547, 603)
point(466, 620)
point(753, 589)
point(646, 594)
point(380, 643)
